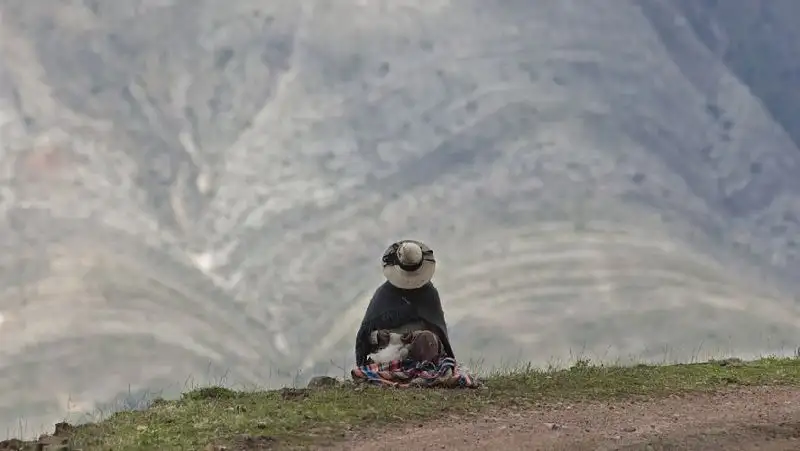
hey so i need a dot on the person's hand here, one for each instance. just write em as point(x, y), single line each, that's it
point(408, 337)
point(380, 338)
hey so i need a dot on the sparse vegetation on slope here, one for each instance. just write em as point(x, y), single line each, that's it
point(209, 418)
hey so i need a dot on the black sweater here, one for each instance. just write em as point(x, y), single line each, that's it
point(392, 307)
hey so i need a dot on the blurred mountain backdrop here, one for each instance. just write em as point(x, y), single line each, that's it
point(203, 188)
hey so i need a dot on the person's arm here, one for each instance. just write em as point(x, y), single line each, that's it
point(444, 340)
point(431, 311)
point(363, 346)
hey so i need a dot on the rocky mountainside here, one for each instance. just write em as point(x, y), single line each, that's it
point(203, 189)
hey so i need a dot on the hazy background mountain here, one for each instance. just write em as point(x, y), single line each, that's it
point(198, 188)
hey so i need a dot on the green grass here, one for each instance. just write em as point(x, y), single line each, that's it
point(294, 418)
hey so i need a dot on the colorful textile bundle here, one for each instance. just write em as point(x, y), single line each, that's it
point(444, 374)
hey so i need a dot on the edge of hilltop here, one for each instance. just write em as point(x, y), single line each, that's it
point(218, 418)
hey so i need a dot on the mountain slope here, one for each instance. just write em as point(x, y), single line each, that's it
point(199, 187)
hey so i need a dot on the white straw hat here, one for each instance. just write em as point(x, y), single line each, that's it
point(408, 264)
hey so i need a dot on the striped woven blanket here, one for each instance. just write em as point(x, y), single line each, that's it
point(445, 374)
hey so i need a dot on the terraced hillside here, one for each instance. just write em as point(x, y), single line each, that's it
point(204, 188)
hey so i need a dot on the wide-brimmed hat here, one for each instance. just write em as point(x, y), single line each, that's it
point(408, 264)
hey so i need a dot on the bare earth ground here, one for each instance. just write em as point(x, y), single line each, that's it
point(747, 418)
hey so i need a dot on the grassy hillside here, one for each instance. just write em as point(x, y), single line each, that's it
point(214, 417)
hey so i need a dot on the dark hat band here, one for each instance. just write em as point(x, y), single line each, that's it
point(390, 257)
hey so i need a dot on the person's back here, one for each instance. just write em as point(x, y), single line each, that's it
point(406, 304)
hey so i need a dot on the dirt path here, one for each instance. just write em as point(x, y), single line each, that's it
point(763, 418)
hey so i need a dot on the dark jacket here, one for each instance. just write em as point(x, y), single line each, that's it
point(392, 307)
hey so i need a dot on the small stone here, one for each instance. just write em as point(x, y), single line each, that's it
point(63, 428)
point(629, 429)
point(12, 443)
point(141, 428)
point(553, 426)
point(322, 382)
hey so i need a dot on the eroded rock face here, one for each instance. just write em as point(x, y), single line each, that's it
point(198, 189)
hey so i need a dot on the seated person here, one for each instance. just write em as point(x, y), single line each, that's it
point(407, 304)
